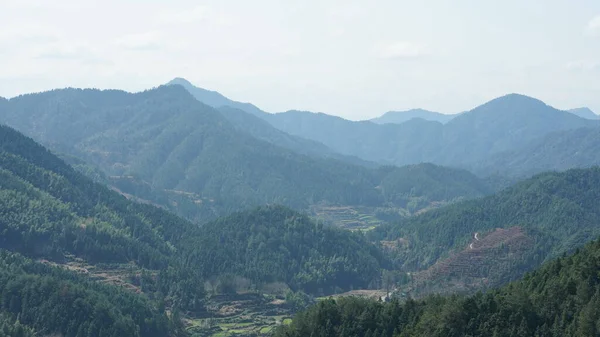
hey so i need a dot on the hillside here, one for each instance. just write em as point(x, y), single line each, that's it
point(135, 262)
point(399, 117)
point(558, 151)
point(167, 148)
point(559, 299)
point(543, 217)
point(274, 244)
point(52, 213)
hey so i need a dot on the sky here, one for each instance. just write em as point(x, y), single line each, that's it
point(354, 59)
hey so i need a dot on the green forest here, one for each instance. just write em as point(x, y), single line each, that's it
point(561, 299)
point(50, 212)
point(557, 211)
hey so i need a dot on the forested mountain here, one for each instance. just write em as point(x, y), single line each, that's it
point(165, 146)
point(51, 212)
point(399, 117)
point(39, 300)
point(510, 232)
point(503, 124)
point(155, 260)
point(559, 299)
point(584, 113)
point(274, 244)
point(557, 151)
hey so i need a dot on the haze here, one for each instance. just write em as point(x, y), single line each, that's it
point(349, 58)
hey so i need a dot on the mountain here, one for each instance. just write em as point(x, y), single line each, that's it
point(559, 299)
point(273, 244)
point(500, 125)
point(167, 148)
point(557, 151)
point(399, 117)
point(489, 241)
point(260, 129)
point(248, 118)
point(77, 258)
point(584, 113)
point(417, 136)
point(412, 142)
point(63, 223)
point(215, 99)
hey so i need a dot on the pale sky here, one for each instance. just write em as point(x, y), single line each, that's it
point(355, 59)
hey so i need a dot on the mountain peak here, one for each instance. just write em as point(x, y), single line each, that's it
point(214, 98)
point(399, 117)
point(584, 112)
point(180, 81)
point(515, 98)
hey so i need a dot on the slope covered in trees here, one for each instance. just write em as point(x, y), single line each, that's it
point(558, 151)
point(52, 213)
point(559, 299)
point(276, 244)
point(164, 146)
point(50, 301)
point(557, 211)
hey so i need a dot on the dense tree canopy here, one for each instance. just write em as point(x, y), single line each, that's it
point(557, 211)
point(277, 244)
point(560, 299)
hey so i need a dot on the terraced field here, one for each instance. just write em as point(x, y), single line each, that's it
point(240, 315)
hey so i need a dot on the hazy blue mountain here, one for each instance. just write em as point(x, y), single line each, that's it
point(557, 151)
point(584, 113)
point(261, 129)
point(467, 140)
point(502, 124)
point(215, 99)
point(399, 117)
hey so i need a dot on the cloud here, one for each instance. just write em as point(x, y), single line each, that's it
point(593, 26)
point(81, 54)
point(196, 14)
point(401, 50)
point(141, 42)
point(583, 65)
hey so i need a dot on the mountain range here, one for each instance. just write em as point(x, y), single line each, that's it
point(166, 147)
point(467, 140)
point(80, 258)
point(399, 117)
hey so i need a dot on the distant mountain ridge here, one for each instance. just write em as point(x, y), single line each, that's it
point(399, 117)
point(168, 148)
point(215, 99)
point(585, 113)
point(557, 151)
point(504, 124)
